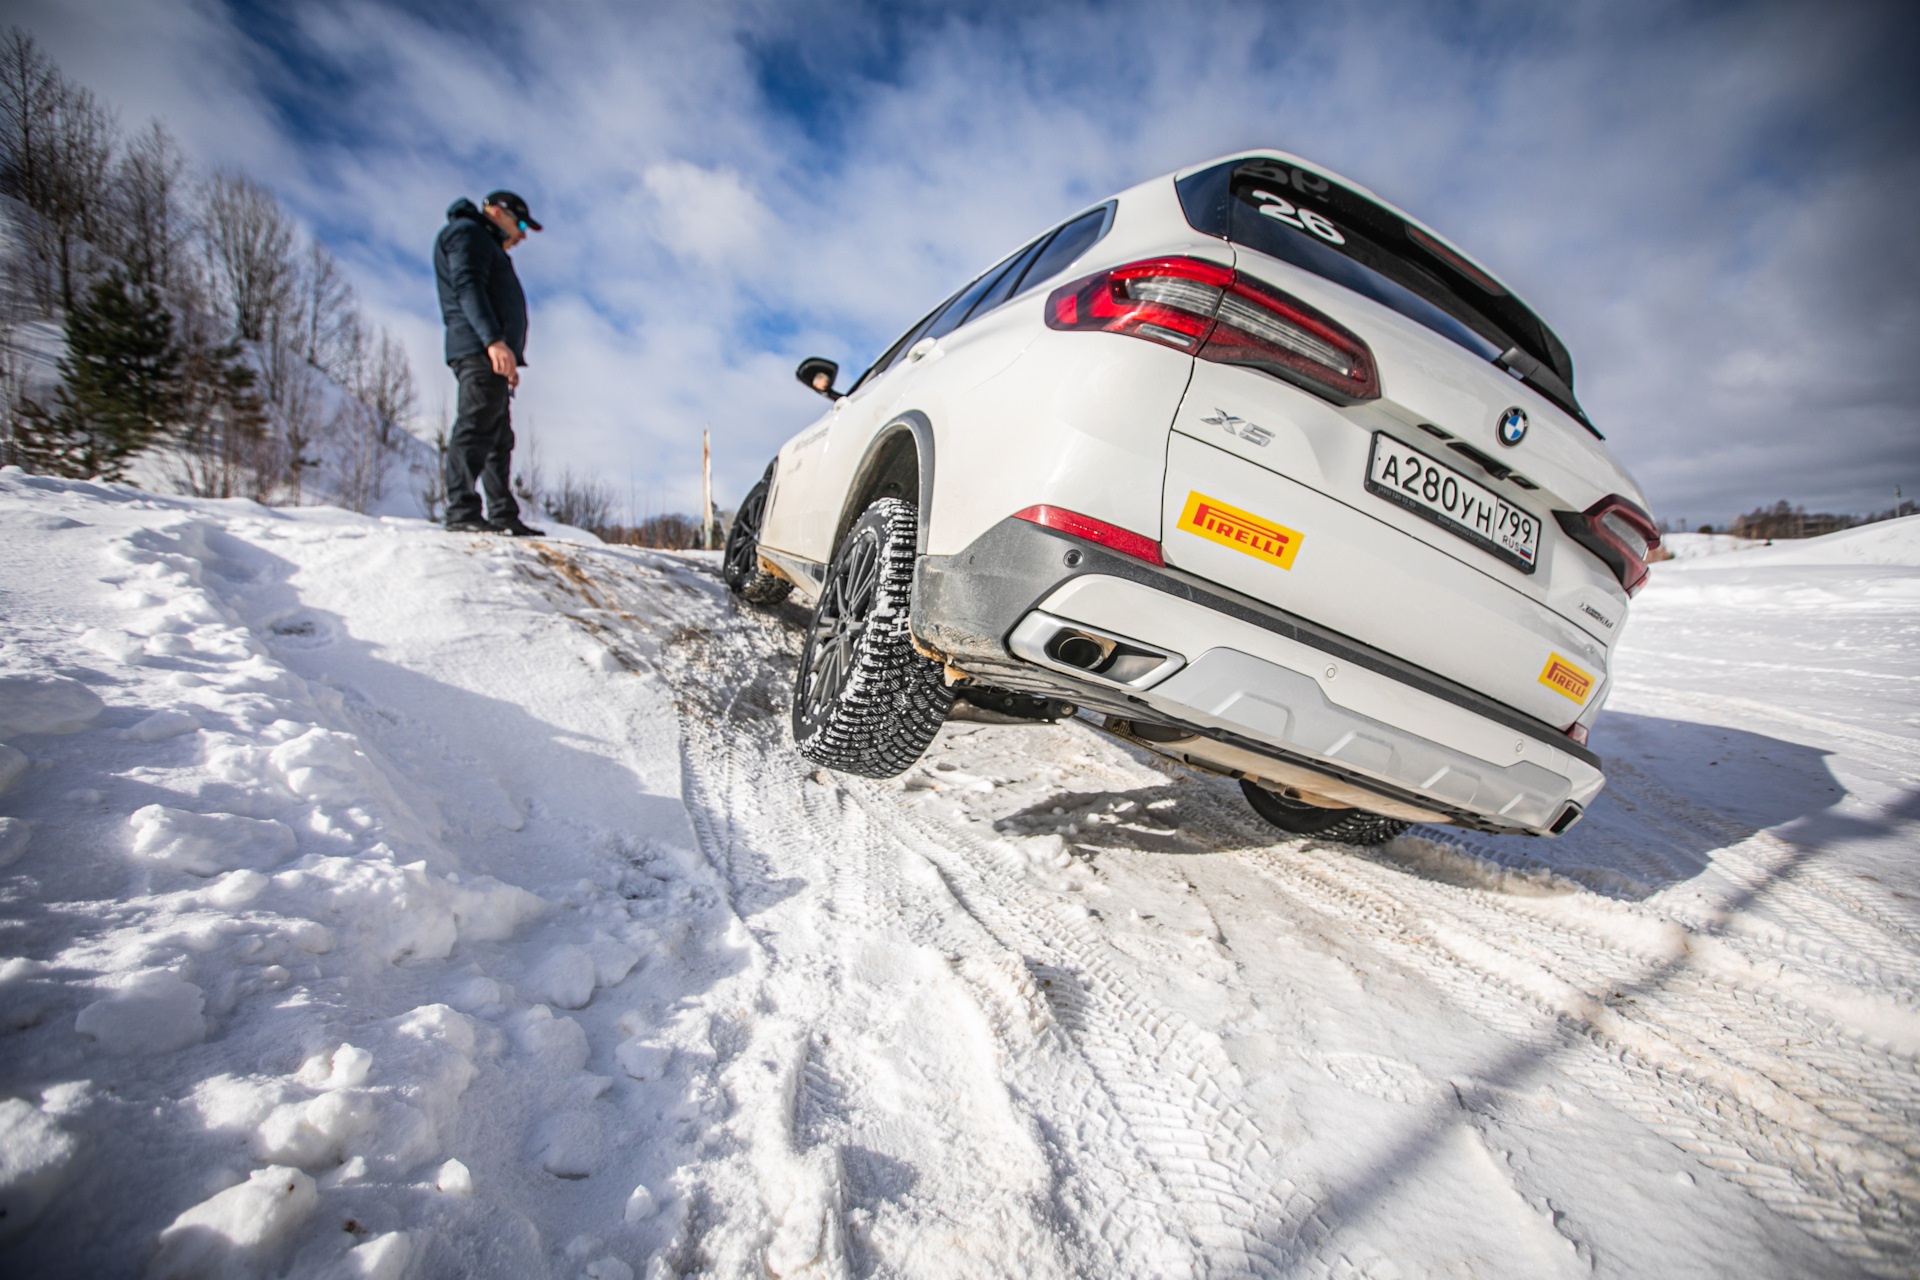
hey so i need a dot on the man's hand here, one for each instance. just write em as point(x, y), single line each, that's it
point(503, 363)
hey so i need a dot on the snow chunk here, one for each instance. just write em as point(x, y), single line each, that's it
point(407, 913)
point(233, 1104)
point(162, 725)
point(644, 1061)
point(344, 1068)
point(326, 766)
point(478, 994)
point(14, 834)
point(222, 1236)
point(453, 1179)
point(640, 1205)
point(13, 763)
point(559, 1042)
point(155, 1012)
point(207, 843)
point(316, 1131)
point(567, 1144)
point(46, 704)
point(437, 1023)
point(381, 1258)
point(115, 644)
point(565, 977)
point(34, 1155)
point(612, 960)
point(237, 888)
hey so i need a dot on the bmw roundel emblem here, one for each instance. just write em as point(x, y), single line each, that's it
point(1513, 426)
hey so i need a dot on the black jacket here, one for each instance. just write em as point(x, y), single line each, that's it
point(480, 296)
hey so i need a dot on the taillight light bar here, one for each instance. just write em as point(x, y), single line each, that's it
point(1217, 314)
point(1111, 536)
point(1617, 531)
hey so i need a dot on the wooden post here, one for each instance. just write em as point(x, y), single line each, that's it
point(706, 489)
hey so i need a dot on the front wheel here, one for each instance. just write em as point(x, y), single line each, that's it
point(740, 564)
point(864, 701)
point(1348, 826)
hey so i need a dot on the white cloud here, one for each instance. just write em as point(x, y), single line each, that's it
point(708, 215)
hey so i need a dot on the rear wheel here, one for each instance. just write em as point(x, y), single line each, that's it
point(1348, 826)
point(740, 565)
point(864, 700)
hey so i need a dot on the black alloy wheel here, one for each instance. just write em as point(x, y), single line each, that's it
point(1347, 826)
point(740, 563)
point(864, 700)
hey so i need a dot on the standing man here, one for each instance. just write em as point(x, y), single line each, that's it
point(486, 317)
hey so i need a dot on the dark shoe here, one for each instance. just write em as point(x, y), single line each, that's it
point(470, 526)
point(517, 528)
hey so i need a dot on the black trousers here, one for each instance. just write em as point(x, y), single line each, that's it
point(480, 446)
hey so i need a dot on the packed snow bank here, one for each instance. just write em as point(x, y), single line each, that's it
point(383, 902)
point(1888, 542)
point(1692, 546)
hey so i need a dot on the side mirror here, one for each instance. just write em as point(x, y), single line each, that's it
point(818, 375)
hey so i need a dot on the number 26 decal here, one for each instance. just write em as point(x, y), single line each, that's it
point(1280, 210)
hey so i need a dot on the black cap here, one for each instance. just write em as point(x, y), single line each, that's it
point(514, 205)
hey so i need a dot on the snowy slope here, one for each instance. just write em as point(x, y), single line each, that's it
point(383, 902)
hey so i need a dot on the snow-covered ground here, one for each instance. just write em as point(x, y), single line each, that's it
point(379, 902)
point(1691, 546)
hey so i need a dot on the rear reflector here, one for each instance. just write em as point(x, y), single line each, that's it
point(1113, 537)
point(1217, 314)
point(1578, 733)
point(1618, 532)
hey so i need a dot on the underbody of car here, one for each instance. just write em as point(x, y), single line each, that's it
point(1263, 475)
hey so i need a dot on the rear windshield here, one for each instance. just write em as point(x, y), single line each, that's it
point(1299, 217)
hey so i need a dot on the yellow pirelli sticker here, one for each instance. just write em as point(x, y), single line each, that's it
point(1566, 679)
point(1241, 530)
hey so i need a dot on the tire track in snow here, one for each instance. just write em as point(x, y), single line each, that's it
point(1682, 1052)
point(1159, 1172)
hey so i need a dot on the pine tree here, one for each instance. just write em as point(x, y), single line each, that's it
point(120, 384)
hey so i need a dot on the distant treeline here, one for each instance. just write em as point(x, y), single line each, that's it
point(1784, 520)
point(201, 328)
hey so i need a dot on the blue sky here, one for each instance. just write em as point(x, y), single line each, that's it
point(1710, 203)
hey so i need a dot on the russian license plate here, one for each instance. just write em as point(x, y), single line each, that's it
point(1434, 491)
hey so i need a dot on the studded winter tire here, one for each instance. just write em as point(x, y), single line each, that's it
point(740, 564)
point(864, 701)
point(1347, 826)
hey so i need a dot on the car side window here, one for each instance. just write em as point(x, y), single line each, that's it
point(957, 312)
point(1041, 260)
point(1002, 288)
point(1068, 244)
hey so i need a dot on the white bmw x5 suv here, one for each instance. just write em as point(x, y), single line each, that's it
point(1270, 474)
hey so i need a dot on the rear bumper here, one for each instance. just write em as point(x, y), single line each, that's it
point(1260, 692)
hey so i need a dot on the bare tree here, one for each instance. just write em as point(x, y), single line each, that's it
point(58, 146)
point(250, 249)
point(326, 328)
point(385, 386)
point(154, 229)
point(581, 501)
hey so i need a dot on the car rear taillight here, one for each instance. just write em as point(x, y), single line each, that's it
point(1218, 314)
point(1111, 536)
point(1617, 531)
